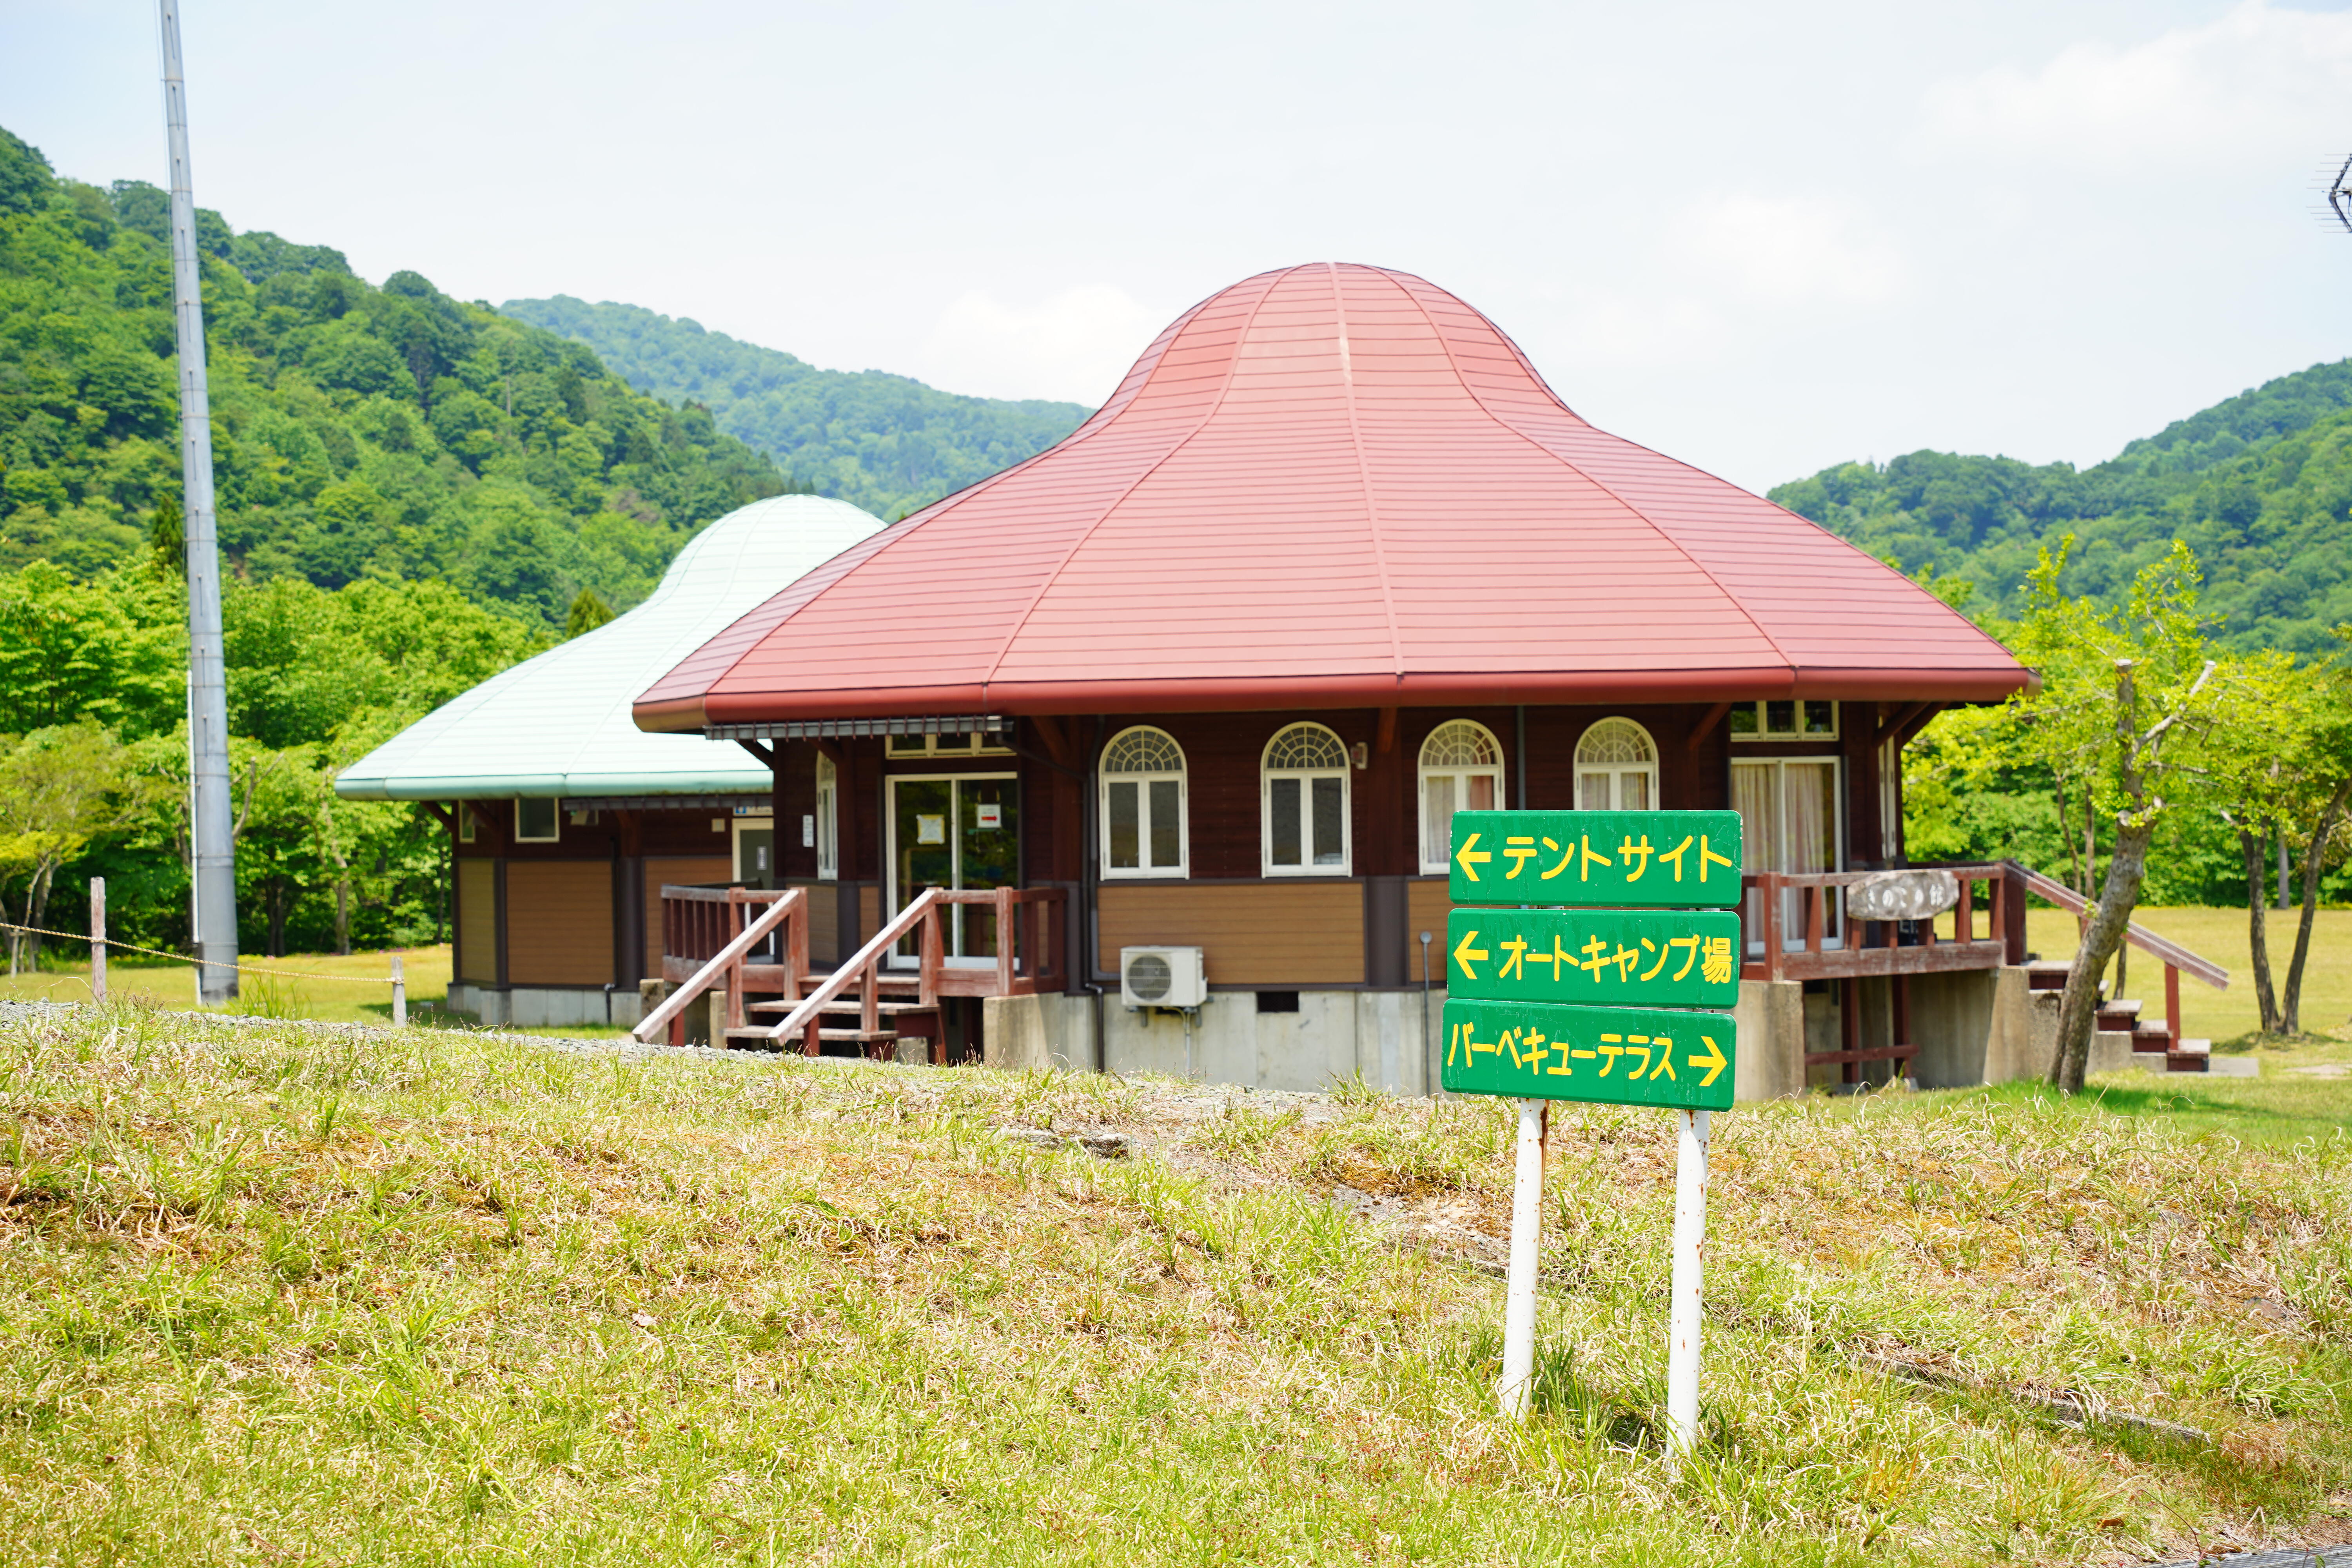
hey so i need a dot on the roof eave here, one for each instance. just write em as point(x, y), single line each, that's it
point(1241, 694)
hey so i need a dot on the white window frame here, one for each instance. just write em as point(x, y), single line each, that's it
point(1436, 860)
point(828, 819)
point(756, 820)
point(1105, 778)
point(1763, 711)
point(555, 819)
point(1267, 775)
point(1616, 771)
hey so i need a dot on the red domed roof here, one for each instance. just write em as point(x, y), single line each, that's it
point(1339, 486)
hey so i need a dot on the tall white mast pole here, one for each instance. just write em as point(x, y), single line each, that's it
point(214, 903)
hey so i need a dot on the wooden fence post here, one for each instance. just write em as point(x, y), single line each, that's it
point(98, 938)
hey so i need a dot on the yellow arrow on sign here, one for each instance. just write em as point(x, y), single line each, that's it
point(1715, 1061)
point(1465, 953)
point(1472, 857)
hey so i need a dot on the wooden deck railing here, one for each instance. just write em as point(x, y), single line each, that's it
point(1030, 957)
point(2177, 959)
point(714, 918)
point(1877, 948)
point(711, 938)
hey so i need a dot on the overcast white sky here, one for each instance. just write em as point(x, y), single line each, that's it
point(1763, 238)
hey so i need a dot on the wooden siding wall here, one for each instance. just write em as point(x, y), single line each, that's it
point(559, 922)
point(686, 872)
point(824, 927)
point(1300, 932)
point(477, 922)
point(1427, 906)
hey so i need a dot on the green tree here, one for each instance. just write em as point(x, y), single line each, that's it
point(60, 788)
point(2124, 705)
point(589, 611)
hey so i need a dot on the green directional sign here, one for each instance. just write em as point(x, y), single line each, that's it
point(1686, 859)
point(1614, 1056)
point(1585, 932)
point(1646, 958)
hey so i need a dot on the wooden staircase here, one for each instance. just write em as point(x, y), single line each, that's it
point(2156, 1043)
point(865, 1004)
point(900, 1013)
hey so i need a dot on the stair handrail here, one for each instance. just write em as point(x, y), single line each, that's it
point(2147, 941)
point(866, 958)
point(718, 965)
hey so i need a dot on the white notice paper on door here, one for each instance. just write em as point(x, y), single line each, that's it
point(930, 829)
point(989, 814)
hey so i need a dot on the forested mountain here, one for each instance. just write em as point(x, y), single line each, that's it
point(887, 443)
point(2260, 487)
point(358, 432)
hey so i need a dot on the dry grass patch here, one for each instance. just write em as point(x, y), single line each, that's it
point(276, 1295)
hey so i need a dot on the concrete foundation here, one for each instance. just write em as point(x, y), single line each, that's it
point(546, 1006)
point(1974, 1027)
point(1387, 1037)
point(1773, 1022)
point(1971, 1026)
point(1980, 1026)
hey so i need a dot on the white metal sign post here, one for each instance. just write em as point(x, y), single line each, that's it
point(1519, 1290)
point(1690, 1246)
point(1653, 967)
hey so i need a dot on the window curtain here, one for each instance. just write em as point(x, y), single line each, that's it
point(1808, 813)
point(1753, 785)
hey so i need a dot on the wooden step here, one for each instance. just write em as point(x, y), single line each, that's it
point(845, 1005)
point(855, 1036)
point(903, 985)
point(2047, 974)
point(2194, 1055)
point(2119, 1015)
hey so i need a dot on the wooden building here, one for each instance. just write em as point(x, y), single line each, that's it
point(1333, 563)
point(565, 819)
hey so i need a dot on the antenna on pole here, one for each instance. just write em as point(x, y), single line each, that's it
point(214, 902)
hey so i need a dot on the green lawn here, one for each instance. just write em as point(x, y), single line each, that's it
point(2221, 935)
point(271, 1295)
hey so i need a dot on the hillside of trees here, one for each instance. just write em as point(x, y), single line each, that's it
point(358, 433)
point(2260, 487)
point(887, 443)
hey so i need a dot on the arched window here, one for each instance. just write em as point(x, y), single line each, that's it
point(824, 829)
point(1616, 768)
point(1461, 770)
point(1143, 831)
point(1303, 803)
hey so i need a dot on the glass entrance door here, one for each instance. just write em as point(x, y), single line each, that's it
point(961, 833)
point(1788, 814)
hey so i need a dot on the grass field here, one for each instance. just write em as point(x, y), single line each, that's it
point(334, 988)
point(328, 987)
point(269, 1294)
point(2221, 935)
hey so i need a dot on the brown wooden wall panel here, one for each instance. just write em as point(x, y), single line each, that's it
point(1278, 933)
point(1427, 906)
point(869, 911)
point(477, 922)
point(559, 922)
point(685, 872)
point(825, 923)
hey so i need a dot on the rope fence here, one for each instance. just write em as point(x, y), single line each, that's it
point(99, 942)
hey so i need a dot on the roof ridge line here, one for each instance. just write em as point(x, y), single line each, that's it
point(1364, 469)
point(1678, 547)
point(1233, 369)
point(892, 535)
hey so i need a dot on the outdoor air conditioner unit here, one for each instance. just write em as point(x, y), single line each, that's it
point(1162, 977)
